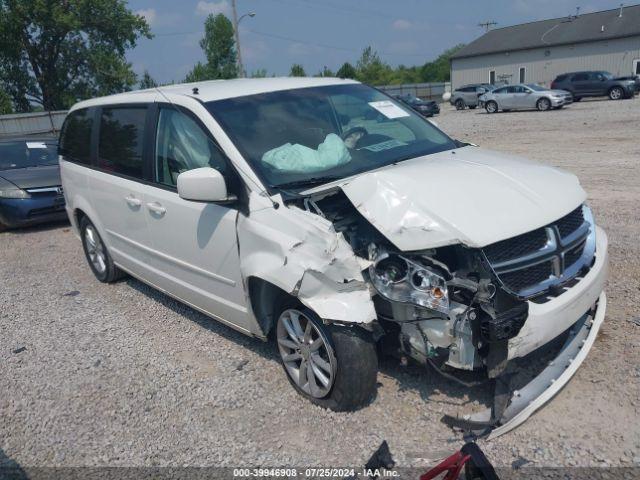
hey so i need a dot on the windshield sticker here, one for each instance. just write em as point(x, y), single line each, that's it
point(389, 109)
point(36, 145)
point(388, 145)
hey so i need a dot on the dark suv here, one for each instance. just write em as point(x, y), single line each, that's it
point(594, 84)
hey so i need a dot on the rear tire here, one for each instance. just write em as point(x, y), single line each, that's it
point(460, 105)
point(491, 106)
point(345, 357)
point(97, 255)
point(616, 93)
point(543, 104)
point(577, 99)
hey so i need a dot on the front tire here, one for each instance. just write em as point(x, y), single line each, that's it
point(543, 104)
point(333, 367)
point(491, 107)
point(97, 255)
point(460, 104)
point(616, 93)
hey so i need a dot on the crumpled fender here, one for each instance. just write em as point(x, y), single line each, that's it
point(300, 253)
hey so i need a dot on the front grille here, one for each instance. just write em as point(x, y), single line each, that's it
point(570, 223)
point(533, 262)
point(518, 280)
point(572, 256)
point(516, 246)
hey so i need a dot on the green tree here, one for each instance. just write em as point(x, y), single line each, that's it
point(147, 81)
point(5, 103)
point(54, 53)
point(440, 69)
point(325, 72)
point(219, 48)
point(297, 70)
point(346, 71)
point(260, 73)
point(371, 69)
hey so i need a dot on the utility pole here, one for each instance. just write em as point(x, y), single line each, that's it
point(237, 35)
point(487, 25)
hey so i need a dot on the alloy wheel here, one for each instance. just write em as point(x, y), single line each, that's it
point(615, 94)
point(544, 104)
point(306, 354)
point(95, 249)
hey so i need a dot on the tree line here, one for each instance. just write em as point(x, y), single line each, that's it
point(55, 53)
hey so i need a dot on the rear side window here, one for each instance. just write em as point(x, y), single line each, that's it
point(561, 78)
point(580, 77)
point(75, 138)
point(121, 140)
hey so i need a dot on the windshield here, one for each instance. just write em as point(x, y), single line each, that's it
point(296, 138)
point(23, 154)
point(535, 87)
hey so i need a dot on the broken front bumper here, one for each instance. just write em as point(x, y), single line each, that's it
point(581, 310)
point(542, 388)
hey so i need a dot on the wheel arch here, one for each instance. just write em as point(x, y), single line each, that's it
point(264, 299)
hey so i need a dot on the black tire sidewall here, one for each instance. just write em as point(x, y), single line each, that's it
point(356, 363)
point(618, 89)
point(491, 102)
point(459, 104)
point(541, 102)
point(111, 273)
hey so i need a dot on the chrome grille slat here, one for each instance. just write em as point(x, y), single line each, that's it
point(526, 267)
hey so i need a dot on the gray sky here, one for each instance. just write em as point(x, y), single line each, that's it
point(316, 33)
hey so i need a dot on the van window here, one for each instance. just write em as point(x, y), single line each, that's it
point(75, 138)
point(181, 145)
point(121, 140)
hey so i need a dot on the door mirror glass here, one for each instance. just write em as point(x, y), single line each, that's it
point(204, 184)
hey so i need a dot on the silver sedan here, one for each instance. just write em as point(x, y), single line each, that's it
point(524, 97)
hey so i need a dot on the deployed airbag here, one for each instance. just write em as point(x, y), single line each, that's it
point(298, 158)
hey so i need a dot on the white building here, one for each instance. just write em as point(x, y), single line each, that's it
point(539, 51)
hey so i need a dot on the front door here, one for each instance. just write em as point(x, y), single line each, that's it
point(195, 249)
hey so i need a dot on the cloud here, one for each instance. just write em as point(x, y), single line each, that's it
point(401, 24)
point(213, 8)
point(149, 15)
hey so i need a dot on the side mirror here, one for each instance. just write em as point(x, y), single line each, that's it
point(204, 184)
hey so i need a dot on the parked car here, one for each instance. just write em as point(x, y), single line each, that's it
point(524, 97)
point(595, 84)
point(427, 108)
point(468, 95)
point(30, 187)
point(288, 208)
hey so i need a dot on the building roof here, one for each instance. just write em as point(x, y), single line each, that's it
point(219, 89)
point(588, 27)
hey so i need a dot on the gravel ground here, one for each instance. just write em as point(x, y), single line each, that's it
point(121, 375)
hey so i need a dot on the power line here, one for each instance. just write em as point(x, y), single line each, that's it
point(332, 47)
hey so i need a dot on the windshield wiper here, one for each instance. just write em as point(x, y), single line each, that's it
point(307, 182)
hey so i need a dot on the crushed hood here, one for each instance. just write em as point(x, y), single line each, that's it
point(468, 195)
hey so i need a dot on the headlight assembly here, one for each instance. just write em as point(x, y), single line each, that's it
point(13, 193)
point(401, 279)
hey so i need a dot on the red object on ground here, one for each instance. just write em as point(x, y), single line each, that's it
point(452, 465)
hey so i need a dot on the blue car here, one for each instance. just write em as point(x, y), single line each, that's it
point(30, 186)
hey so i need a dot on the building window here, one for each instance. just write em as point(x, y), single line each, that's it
point(522, 74)
point(492, 77)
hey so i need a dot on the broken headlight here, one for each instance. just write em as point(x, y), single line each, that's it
point(401, 279)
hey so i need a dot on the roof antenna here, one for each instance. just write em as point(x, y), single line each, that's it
point(487, 25)
point(621, 7)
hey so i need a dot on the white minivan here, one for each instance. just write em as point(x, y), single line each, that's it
point(325, 215)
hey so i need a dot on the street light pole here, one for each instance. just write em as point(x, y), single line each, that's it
point(236, 22)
